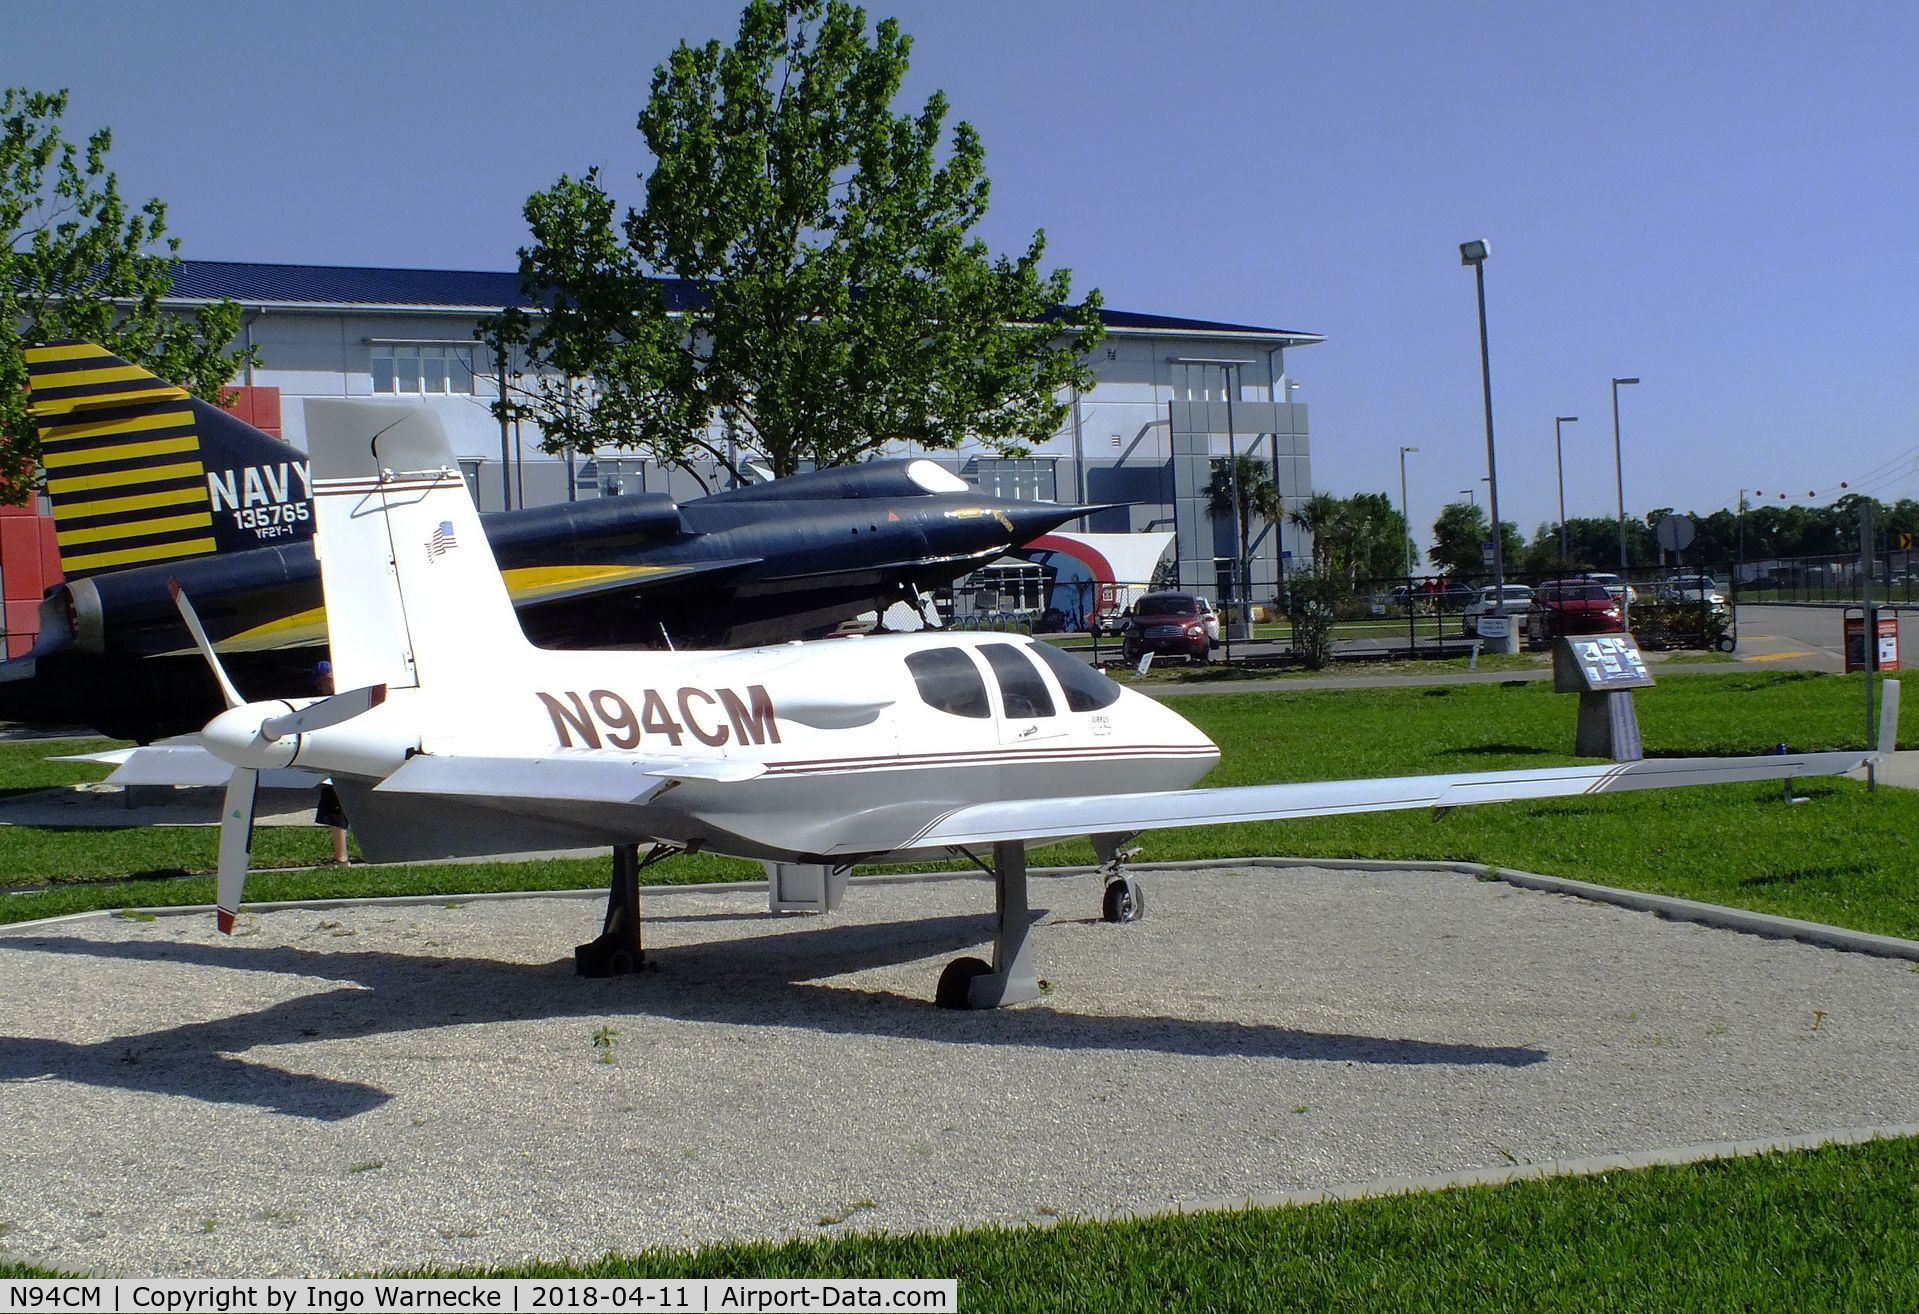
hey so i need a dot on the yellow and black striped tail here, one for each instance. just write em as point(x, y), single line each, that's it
point(122, 458)
point(141, 473)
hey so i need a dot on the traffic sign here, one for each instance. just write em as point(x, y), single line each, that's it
point(1675, 533)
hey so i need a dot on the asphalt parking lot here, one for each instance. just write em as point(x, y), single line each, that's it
point(360, 1089)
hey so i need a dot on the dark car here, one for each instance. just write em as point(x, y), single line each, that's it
point(1170, 624)
point(1571, 606)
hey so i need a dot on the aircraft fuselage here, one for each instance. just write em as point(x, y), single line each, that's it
point(801, 753)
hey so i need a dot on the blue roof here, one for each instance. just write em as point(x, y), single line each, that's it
point(352, 286)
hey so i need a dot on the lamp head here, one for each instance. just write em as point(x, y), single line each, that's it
point(1565, 419)
point(1617, 382)
point(1475, 251)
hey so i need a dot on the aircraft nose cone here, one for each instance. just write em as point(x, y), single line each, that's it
point(1030, 520)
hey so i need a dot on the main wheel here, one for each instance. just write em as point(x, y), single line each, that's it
point(956, 982)
point(1124, 901)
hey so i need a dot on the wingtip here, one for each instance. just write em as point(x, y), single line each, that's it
point(173, 588)
point(225, 920)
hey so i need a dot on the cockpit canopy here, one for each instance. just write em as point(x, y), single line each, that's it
point(950, 680)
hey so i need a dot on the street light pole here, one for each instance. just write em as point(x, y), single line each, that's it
point(1619, 476)
point(1474, 253)
point(1472, 497)
point(1559, 458)
point(1405, 515)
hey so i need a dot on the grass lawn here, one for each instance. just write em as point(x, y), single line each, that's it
point(1842, 858)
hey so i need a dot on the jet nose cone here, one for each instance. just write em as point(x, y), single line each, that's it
point(1028, 520)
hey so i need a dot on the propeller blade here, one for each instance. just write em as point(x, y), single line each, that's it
point(326, 712)
point(200, 641)
point(236, 844)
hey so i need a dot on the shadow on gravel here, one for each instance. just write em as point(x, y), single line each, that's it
point(779, 979)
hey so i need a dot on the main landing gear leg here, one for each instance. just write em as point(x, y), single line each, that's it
point(971, 983)
point(617, 951)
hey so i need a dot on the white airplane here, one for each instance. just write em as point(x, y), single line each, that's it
point(455, 734)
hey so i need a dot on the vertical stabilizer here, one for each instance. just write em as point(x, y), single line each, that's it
point(141, 473)
point(413, 594)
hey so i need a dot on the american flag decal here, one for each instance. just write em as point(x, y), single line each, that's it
point(442, 541)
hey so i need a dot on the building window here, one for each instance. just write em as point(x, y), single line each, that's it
point(433, 370)
point(1025, 479)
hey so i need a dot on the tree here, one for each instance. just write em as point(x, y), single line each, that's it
point(77, 262)
point(1375, 538)
point(1258, 494)
point(834, 298)
point(1458, 536)
point(1320, 516)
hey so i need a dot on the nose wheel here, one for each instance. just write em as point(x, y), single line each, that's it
point(1123, 901)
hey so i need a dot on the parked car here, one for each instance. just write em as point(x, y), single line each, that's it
point(1571, 606)
point(1693, 588)
point(1172, 624)
point(1516, 601)
point(1620, 590)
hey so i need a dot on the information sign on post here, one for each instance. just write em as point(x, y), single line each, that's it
point(1603, 669)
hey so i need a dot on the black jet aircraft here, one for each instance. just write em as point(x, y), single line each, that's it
point(149, 484)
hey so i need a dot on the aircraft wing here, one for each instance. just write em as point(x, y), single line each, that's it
point(182, 760)
point(1060, 818)
point(545, 587)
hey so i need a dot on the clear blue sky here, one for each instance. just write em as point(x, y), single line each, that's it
point(1716, 197)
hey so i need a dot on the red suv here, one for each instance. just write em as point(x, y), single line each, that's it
point(1571, 606)
point(1172, 624)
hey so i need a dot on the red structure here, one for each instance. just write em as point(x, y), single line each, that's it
point(29, 566)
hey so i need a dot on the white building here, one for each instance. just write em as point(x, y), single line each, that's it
point(1144, 435)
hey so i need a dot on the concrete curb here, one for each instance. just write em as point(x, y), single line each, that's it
point(1669, 907)
point(1588, 1167)
point(1718, 915)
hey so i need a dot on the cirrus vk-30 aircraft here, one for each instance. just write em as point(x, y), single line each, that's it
point(455, 735)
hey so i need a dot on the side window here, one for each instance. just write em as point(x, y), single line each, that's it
point(1020, 687)
point(1086, 689)
point(949, 682)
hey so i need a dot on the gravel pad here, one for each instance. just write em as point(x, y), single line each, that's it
point(353, 1090)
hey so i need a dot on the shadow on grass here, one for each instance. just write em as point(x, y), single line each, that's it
point(1501, 750)
point(1830, 874)
point(784, 978)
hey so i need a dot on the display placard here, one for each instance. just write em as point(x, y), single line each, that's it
point(1599, 663)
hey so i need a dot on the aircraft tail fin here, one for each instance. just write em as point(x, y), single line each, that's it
point(140, 472)
point(413, 593)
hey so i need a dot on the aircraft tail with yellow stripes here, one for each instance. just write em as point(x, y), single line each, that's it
point(141, 473)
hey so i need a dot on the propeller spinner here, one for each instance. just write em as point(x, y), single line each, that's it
point(252, 736)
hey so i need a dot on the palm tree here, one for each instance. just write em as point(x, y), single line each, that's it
point(1321, 515)
point(1258, 494)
